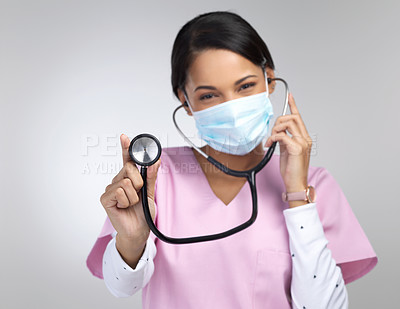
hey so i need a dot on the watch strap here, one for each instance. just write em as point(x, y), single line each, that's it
point(300, 196)
point(297, 196)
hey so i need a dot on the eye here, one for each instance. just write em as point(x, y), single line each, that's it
point(247, 86)
point(206, 96)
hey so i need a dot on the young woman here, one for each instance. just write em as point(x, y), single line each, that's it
point(297, 254)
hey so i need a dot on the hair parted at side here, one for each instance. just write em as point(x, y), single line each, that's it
point(216, 30)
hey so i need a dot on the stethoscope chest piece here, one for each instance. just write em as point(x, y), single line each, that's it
point(145, 149)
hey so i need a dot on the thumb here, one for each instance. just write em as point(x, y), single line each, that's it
point(125, 142)
point(151, 178)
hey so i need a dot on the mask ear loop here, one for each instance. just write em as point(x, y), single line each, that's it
point(267, 82)
point(187, 101)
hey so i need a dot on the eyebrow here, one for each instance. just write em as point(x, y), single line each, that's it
point(236, 83)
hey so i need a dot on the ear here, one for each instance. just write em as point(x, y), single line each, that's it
point(270, 74)
point(183, 102)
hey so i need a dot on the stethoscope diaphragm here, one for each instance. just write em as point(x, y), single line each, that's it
point(145, 149)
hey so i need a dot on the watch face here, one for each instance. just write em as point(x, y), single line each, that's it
point(311, 194)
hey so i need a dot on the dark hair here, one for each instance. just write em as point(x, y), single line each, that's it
point(216, 30)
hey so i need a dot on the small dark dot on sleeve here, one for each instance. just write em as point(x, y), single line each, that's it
point(125, 268)
point(117, 278)
point(337, 285)
point(147, 259)
point(293, 254)
point(304, 307)
point(135, 287)
point(315, 276)
point(301, 227)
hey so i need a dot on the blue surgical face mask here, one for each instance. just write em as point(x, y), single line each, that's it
point(235, 126)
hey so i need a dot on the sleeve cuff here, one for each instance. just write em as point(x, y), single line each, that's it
point(119, 277)
point(303, 223)
point(149, 253)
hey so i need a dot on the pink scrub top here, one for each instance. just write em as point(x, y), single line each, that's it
point(251, 269)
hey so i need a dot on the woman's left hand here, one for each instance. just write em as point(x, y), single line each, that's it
point(294, 151)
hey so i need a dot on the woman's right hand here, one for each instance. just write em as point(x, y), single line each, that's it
point(123, 202)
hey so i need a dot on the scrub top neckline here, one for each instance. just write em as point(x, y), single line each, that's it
point(206, 184)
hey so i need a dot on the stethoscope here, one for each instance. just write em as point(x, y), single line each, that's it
point(145, 150)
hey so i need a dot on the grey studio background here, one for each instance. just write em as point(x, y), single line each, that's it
point(74, 75)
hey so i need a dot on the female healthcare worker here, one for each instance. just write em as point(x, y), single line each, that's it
point(299, 253)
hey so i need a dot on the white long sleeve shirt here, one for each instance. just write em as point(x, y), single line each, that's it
point(317, 281)
point(120, 279)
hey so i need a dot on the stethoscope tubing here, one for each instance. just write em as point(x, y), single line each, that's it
point(252, 183)
point(249, 174)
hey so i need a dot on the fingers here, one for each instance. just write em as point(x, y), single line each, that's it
point(293, 129)
point(296, 144)
point(284, 139)
point(292, 105)
point(128, 195)
point(125, 142)
point(130, 171)
point(289, 125)
point(124, 189)
point(294, 125)
point(297, 117)
point(121, 194)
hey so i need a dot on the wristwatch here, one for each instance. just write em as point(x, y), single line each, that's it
point(308, 195)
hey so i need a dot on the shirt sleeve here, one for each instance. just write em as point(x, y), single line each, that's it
point(94, 261)
point(317, 281)
point(120, 279)
point(347, 241)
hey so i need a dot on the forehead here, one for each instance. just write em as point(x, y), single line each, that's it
point(216, 66)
